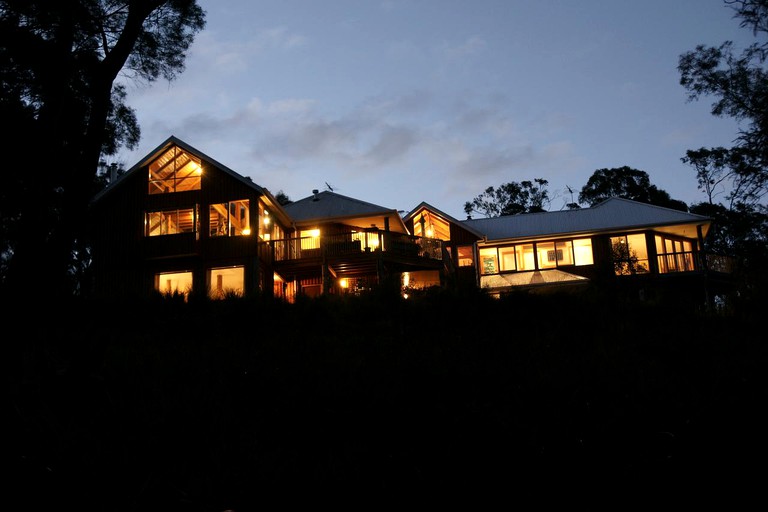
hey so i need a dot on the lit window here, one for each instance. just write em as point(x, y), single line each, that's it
point(466, 255)
point(630, 254)
point(546, 255)
point(582, 251)
point(229, 219)
point(489, 261)
point(226, 282)
point(170, 222)
point(674, 255)
point(174, 171)
point(174, 283)
point(507, 258)
point(541, 255)
point(310, 239)
point(525, 259)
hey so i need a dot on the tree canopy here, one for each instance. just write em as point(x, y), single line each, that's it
point(510, 199)
point(739, 85)
point(59, 61)
point(627, 183)
point(737, 175)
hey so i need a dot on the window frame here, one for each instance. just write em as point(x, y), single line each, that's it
point(167, 215)
point(531, 256)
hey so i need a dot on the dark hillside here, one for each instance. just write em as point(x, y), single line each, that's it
point(214, 405)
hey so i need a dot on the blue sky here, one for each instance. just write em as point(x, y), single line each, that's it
point(401, 101)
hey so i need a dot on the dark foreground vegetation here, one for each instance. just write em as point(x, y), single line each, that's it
point(218, 405)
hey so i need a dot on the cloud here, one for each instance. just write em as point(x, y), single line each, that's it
point(470, 46)
point(215, 53)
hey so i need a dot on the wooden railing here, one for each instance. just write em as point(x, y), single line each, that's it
point(676, 262)
point(357, 242)
point(689, 261)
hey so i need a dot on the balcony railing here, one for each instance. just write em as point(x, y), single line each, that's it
point(689, 261)
point(677, 262)
point(356, 243)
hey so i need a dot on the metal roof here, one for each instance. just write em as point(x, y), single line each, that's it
point(614, 214)
point(330, 205)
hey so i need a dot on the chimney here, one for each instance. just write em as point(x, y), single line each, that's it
point(315, 191)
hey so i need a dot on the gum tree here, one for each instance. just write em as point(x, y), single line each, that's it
point(59, 60)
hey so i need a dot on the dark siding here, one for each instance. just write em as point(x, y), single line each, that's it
point(125, 261)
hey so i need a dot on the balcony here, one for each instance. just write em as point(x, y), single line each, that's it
point(689, 262)
point(356, 253)
point(355, 243)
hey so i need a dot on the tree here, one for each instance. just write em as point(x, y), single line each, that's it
point(738, 175)
point(510, 199)
point(59, 60)
point(282, 198)
point(739, 85)
point(627, 183)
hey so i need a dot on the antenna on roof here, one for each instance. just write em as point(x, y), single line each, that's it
point(328, 185)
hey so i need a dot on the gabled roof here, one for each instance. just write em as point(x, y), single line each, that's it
point(614, 214)
point(329, 206)
point(426, 206)
point(173, 141)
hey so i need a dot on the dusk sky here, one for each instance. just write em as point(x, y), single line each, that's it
point(396, 102)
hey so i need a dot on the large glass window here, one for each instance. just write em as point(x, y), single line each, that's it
point(507, 259)
point(369, 240)
point(541, 255)
point(230, 219)
point(674, 255)
point(310, 239)
point(174, 171)
point(226, 282)
point(630, 254)
point(265, 223)
point(582, 252)
point(489, 263)
point(173, 283)
point(170, 222)
point(547, 255)
point(525, 257)
point(429, 225)
point(466, 255)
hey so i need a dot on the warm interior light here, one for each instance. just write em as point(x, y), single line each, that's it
point(314, 232)
point(343, 283)
point(267, 237)
point(198, 169)
point(247, 231)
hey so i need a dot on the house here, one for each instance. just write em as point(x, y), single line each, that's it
point(345, 245)
point(639, 247)
point(180, 222)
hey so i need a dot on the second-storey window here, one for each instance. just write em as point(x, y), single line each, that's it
point(170, 222)
point(230, 219)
